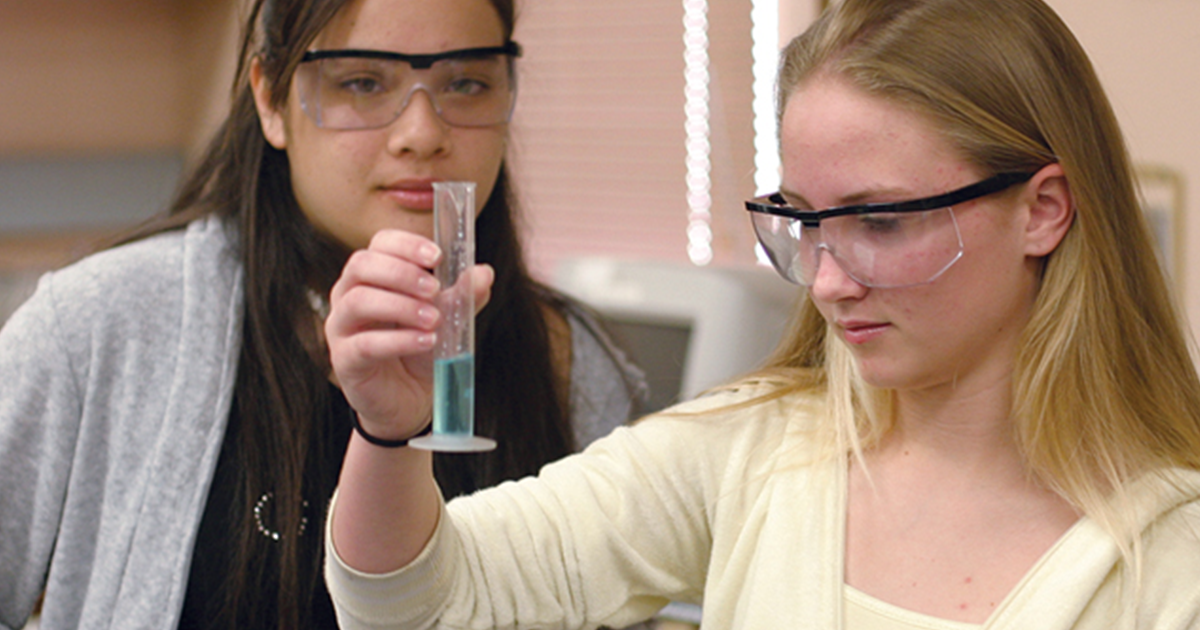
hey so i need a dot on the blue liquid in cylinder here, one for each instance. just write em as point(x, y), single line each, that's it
point(454, 395)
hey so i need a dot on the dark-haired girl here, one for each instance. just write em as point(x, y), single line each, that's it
point(169, 430)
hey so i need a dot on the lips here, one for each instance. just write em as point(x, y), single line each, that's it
point(411, 194)
point(860, 332)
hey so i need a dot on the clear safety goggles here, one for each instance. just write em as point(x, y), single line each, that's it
point(368, 89)
point(881, 245)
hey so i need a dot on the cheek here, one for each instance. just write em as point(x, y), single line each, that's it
point(991, 234)
point(824, 308)
point(930, 307)
point(346, 154)
point(485, 154)
point(329, 175)
point(328, 164)
point(319, 153)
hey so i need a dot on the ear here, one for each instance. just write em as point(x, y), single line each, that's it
point(1051, 210)
point(270, 118)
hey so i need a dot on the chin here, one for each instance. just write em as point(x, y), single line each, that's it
point(889, 376)
point(882, 379)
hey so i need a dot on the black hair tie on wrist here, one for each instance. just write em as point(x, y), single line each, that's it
point(387, 443)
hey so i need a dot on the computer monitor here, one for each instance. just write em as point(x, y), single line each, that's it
point(690, 328)
point(15, 288)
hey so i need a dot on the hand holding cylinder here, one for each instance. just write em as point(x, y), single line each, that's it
point(454, 354)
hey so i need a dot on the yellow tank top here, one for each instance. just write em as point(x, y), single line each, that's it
point(864, 612)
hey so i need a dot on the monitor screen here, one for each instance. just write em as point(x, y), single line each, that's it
point(690, 328)
point(660, 349)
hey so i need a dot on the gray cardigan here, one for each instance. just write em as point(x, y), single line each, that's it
point(115, 386)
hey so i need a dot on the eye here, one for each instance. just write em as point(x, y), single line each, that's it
point(880, 224)
point(362, 85)
point(466, 86)
point(357, 77)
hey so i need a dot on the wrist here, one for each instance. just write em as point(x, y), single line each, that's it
point(384, 442)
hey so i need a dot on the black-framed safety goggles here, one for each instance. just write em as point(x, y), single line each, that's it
point(348, 89)
point(883, 245)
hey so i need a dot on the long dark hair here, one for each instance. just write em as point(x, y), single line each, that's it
point(282, 383)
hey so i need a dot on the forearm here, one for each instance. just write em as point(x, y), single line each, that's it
point(387, 507)
point(380, 332)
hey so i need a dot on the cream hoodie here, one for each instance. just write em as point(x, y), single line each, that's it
point(732, 508)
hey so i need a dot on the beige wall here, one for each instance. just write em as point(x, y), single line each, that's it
point(86, 77)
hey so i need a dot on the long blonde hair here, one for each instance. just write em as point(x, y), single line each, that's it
point(1105, 390)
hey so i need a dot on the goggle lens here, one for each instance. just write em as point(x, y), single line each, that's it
point(353, 92)
point(883, 250)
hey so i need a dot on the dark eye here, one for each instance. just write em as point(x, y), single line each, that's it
point(361, 85)
point(466, 86)
point(880, 223)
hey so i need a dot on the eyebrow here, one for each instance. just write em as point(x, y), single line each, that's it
point(856, 199)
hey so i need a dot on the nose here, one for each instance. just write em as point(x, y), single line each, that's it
point(419, 130)
point(831, 283)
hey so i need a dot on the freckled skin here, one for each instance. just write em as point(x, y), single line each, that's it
point(841, 145)
point(947, 507)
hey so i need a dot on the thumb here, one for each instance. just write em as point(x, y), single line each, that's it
point(482, 277)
